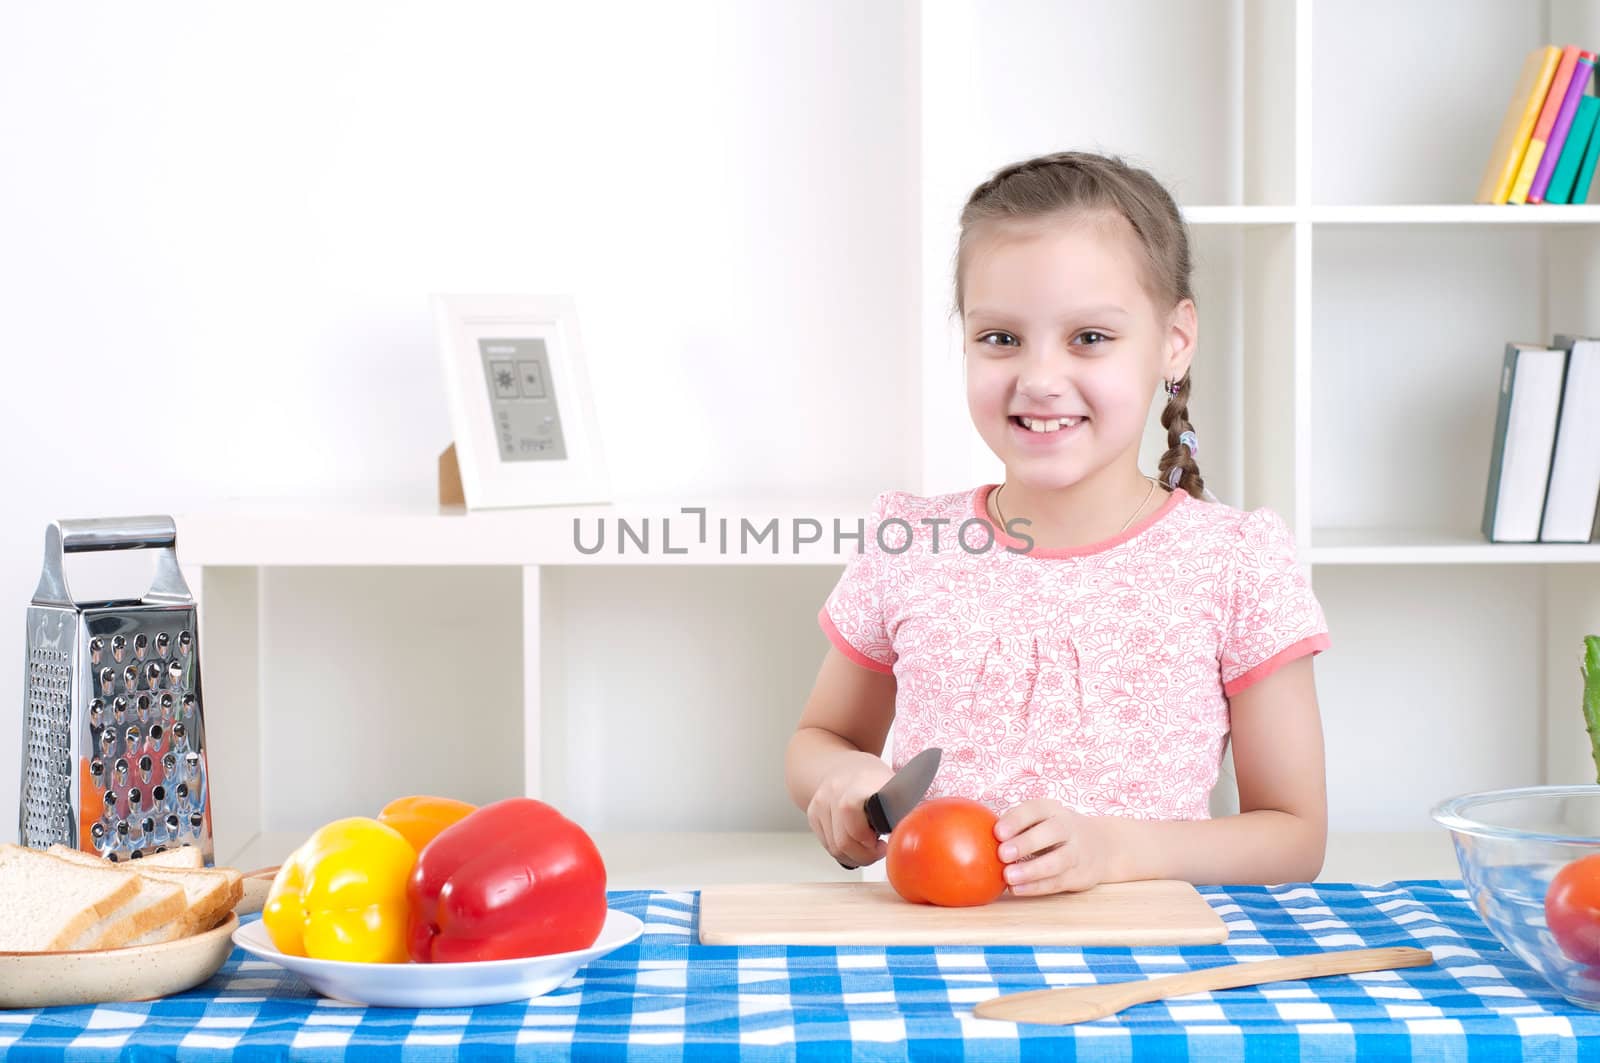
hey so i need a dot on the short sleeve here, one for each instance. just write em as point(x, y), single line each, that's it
point(1272, 615)
point(853, 615)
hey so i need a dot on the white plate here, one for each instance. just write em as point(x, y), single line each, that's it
point(441, 985)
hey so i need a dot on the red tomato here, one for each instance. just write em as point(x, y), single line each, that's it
point(1572, 910)
point(944, 852)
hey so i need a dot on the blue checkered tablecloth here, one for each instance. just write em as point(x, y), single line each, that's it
point(665, 997)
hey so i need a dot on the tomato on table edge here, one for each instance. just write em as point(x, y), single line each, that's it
point(1572, 910)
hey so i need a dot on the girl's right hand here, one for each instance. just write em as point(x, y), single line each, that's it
point(837, 813)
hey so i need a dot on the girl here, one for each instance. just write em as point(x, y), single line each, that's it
point(1081, 640)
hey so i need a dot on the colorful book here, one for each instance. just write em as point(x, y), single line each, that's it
point(1524, 440)
point(1558, 133)
point(1580, 190)
point(1566, 175)
point(1516, 128)
point(1547, 122)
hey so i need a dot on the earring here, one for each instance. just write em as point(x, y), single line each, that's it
point(1172, 388)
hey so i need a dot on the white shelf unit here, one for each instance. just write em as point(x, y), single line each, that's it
point(1353, 307)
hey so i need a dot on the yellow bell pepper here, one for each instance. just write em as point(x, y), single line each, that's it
point(421, 817)
point(342, 894)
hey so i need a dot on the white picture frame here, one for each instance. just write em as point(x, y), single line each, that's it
point(529, 441)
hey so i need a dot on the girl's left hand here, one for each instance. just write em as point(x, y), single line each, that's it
point(1048, 848)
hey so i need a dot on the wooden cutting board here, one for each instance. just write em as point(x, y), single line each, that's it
point(1156, 912)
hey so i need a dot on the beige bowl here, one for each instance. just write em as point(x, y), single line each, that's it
point(98, 976)
point(257, 884)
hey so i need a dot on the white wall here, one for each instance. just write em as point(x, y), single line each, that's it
point(219, 225)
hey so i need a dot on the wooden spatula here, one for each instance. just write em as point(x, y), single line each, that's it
point(1070, 1004)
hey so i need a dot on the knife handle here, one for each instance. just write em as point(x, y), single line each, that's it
point(877, 819)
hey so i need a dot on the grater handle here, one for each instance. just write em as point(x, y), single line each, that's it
point(112, 533)
point(117, 533)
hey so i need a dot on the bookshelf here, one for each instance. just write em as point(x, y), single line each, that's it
point(1353, 304)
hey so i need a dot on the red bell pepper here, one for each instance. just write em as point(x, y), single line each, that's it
point(514, 878)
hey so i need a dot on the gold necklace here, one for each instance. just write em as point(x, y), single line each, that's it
point(1144, 502)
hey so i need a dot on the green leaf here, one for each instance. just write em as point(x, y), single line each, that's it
point(1591, 695)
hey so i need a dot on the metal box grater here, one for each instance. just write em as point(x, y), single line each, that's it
point(113, 740)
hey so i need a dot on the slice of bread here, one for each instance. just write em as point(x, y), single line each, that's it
point(48, 904)
point(184, 856)
point(208, 894)
point(160, 935)
point(211, 894)
point(156, 904)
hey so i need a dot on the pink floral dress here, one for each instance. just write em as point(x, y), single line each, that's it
point(1099, 675)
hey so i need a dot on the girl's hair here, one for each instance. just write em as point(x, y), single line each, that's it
point(1074, 181)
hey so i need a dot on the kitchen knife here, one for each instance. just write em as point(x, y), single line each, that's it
point(900, 794)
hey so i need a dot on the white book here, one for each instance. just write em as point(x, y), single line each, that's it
point(1524, 440)
point(1569, 506)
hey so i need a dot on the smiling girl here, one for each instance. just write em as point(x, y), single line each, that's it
point(1082, 640)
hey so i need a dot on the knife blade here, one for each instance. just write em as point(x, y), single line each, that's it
point(900, 794)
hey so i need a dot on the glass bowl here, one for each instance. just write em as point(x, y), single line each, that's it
point(1511, 844)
